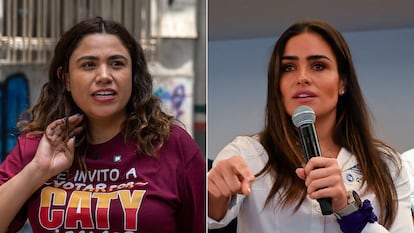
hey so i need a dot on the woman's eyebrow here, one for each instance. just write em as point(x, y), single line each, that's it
point(87, 58)
point(317, 57)
point(310, 58)
point(289, 58)
point(118, 56)
point(90, 57)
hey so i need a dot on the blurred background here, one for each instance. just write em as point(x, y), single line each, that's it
point(380, 34)
point(241, 36)
point(172, 33)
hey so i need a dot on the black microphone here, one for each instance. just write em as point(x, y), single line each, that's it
point(304, 118)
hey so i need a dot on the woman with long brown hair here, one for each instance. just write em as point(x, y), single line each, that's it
point(265, 180)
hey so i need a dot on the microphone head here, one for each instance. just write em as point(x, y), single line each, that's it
point(303, 115)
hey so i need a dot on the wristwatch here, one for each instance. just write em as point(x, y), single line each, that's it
point(354, 203)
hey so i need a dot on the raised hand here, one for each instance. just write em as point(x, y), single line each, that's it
point(55, 151)
point(228, 177)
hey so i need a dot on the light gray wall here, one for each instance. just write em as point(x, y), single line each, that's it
point(237, 73)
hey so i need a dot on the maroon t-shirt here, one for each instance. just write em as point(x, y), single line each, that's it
point(120, 191)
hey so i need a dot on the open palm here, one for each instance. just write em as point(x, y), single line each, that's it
point(55, 151)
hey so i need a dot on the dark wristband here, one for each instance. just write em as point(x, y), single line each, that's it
point(355, 222)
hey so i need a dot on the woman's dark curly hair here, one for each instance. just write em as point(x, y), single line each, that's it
point(146, 124)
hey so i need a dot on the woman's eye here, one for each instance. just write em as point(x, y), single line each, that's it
point(88, 65)
point(287, 68)
point(117, 64)
point(319, 66)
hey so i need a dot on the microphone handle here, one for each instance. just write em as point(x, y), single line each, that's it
point(310, 145)
point(326, 205)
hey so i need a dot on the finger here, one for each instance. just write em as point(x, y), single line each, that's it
point(335, 192)
point(218, 189)
point(217, 185)
point(233, 181)
point(55, 131)
point(72, 123)
point(226, 176)
point(245, 187)
point(71, 145)
point(61, 129)
point(247, 178)
point(75, 131)
point(320, 161)
point(75, 119)
point(244, 174)
point(54, 128)
point(320, 193)
point(300, 172)
point(330, 169)
point(323, 181)
point(241, 168)
point(233, 176)
point(322, 172)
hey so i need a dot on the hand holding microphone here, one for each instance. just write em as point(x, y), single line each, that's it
point(304, 118)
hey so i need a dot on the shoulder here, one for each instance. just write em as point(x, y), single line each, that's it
point(26, 144)
point(181, 143)
point(180, 135)
point(177, 130)
point(389, 154)
point(408, 160)
point(408, 156)
point(22, 153)
point(246, 146)
point(249, 145)
point(393, 161)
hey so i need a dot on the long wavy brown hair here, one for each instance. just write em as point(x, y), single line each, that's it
point(146, 124)
point(352, 129)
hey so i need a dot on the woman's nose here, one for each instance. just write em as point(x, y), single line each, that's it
point(103, 74)
point(303, 78)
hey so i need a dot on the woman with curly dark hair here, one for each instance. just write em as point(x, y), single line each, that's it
point(97, 153)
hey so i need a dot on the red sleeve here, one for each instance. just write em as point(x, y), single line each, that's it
point(192, 213)
point(15, 161)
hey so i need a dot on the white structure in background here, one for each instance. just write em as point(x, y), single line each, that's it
point(167, 30)
point(174, 70)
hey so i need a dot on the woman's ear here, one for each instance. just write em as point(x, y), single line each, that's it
point(63, 76)
point(342, 86)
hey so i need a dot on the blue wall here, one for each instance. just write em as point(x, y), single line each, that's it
point(237, 73)
point(14, 98)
